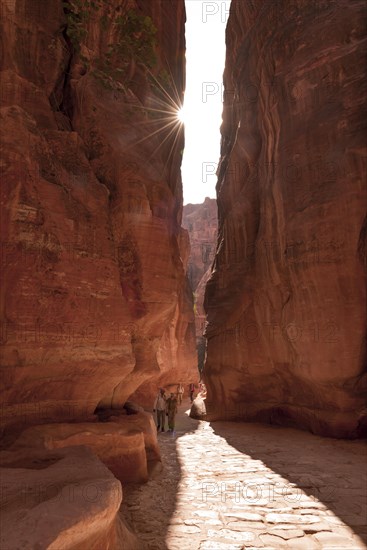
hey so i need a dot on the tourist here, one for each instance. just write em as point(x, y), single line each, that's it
point(180, 392)
point(160, 407)
point(171, 407)
point(191, 390)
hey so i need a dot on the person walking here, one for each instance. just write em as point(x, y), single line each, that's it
point(191, 390)
point(180, 392)
point(171, 406)
point(160, 407)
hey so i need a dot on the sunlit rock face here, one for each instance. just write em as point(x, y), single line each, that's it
point(286, 302)
point(94, 292)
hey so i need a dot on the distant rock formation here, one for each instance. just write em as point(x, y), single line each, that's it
point(200, 220)
point(286, 300)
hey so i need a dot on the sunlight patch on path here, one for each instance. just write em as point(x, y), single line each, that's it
point(226, 498)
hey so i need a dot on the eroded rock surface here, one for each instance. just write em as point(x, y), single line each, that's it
point(118, 445)
point(286, 300)
point(200, 220)
point(64, 498)
point(140, 421)
point(94, 292)
point(198, 408)
point(176, 355)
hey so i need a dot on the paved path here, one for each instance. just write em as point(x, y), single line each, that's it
point(229, 486)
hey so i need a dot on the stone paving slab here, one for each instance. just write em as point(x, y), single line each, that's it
point(236, 486)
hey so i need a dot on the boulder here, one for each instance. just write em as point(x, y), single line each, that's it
point(198, 408)
point(120, 447)
point(139, 421)
point(61, 498)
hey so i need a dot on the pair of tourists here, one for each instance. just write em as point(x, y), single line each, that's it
point(165, 407)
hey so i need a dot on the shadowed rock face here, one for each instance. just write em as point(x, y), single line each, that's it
point(64, 498)
point(200, 220)
point(176, 355)
point(124, 445)
point(286, 302)
point(94, 292)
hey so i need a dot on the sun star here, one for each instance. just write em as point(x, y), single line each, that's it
point(181, 115)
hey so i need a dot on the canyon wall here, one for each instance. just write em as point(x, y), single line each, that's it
point(200, 220)
point(94, 295)
point(197, 252)
point(286, 299)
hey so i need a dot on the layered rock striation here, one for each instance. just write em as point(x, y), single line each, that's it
point(94, 294)
point(286, 299)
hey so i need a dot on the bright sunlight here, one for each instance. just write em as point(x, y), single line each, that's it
point(200, 111)
point(181, 115)
point(205, 52)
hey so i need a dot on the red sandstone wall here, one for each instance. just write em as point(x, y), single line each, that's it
point(200, 220)
point(93, 284)
point(286, 300)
